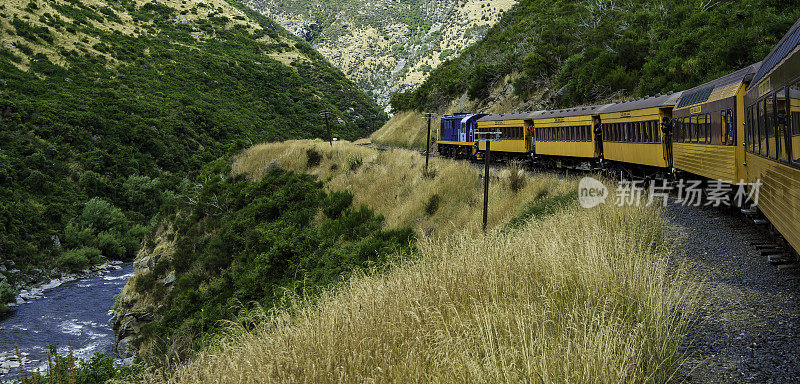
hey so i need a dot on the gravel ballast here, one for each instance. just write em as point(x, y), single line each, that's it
point(746, 328)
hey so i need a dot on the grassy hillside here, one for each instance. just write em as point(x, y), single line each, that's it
point(105, 107)
point(527, 302)
point(386, 46)
point(585, 51)
point(250, 232)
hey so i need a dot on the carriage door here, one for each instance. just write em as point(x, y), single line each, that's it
point(597, 125)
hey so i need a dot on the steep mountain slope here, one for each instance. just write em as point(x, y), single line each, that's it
point(564, 53)
point(105, 106)
point(387, 45)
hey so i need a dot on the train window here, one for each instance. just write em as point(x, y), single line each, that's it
point(639, 132)
point(794, 121)
point(709, 133)
point(678, 136)
point(656, 127)
point(723, 118)
point(760, 140)
point(769, 108)
point(702, 129)
point(748, 118)
point(781, 134)
point(781, 122)
point(753, 128)
point(637, 128)
point(646, 131)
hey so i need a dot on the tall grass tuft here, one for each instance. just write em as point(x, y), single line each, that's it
point(584, 296)
point(516, 176)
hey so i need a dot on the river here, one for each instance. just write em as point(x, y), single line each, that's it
point(73, 313)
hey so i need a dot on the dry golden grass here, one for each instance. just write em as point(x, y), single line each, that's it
point(392, 183)
point(407, 129)
point(583, 296)
point(580, 297)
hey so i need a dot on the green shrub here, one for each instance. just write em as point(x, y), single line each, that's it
point(7, 293)
point(432, 205)
point(354, 162)
point(79, 259)
point(336, 203)
point(144, 282)
point(313, 158)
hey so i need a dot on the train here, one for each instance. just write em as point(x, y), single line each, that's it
point(742, 129)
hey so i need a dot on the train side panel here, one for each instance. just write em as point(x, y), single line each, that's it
point(635, 137)
point(514, 139)
point(571, 136)
point(779, 195)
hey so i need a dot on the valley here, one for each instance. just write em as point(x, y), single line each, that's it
point(387, 46)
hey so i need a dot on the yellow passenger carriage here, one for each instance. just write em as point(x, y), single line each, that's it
point(772, 141)
point(708, 128)
point(632, 134)
point(568, 137)
point(515, 135)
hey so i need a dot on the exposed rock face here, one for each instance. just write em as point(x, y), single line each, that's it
point(135, 309)
point(308, 32)
point(126, 327)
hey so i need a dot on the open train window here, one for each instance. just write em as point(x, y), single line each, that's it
point(781, 121)
point(794, 121)
point(679, 130)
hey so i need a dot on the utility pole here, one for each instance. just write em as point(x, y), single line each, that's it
point(327, 126)
point(486, 183)
point(429, 116)
point(486, 137)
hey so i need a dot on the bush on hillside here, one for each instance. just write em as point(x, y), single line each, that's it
point(7, 293)
point(76, 260)
point(242, 242)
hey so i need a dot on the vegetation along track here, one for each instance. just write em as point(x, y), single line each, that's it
point(746, 328)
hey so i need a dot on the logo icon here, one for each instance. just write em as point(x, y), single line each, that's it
point(591, 192)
